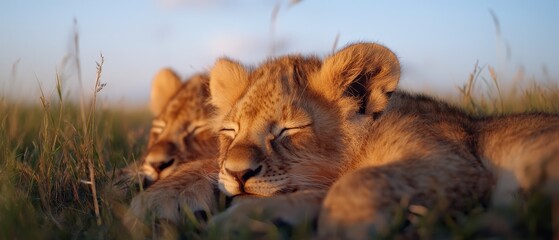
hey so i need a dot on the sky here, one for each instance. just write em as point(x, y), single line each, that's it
point(438, 42)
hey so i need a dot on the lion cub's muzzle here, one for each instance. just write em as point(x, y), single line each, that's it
point(159, 162)
point(242, 171)
point(241, 177)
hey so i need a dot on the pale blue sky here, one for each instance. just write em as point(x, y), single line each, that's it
point(438, 42)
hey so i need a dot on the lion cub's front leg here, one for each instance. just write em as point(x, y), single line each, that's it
point(189, 190)
point(364, 203)
point(260, 215)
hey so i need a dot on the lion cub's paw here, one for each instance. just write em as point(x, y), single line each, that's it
point(171, 205)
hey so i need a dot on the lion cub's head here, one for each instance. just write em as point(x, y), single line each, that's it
point(181, 130)
point(294, 122)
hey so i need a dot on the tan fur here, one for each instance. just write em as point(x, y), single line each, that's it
point(180, 165)
point(188, 190)
point(302, 125)
point(182, 129)
point(164, 86)
point(231, 85)
point(523, 151)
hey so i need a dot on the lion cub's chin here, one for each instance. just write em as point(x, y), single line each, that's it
point(237, 192)
point(253, 190)
point(259, 186)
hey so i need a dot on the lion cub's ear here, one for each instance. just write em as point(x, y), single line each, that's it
point(228, 80)
point(164, 86)
point(367, 72)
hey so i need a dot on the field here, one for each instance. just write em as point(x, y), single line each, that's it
point(57, 159)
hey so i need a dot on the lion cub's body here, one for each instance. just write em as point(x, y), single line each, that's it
point(459, 160)
point(297, 129)
point(522, 150)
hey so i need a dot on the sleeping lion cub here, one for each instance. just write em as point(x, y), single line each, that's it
point(179, 170)
point(302, 137)
point(181, 131)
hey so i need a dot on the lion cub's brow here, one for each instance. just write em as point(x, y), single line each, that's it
point(269, 110)
point(270, 84)
point(289, 73)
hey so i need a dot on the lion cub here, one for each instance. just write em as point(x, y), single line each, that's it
point(297, 132)
point(181, 130)
point(179, 170)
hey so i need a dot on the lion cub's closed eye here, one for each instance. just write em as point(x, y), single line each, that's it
point(229, 129)
point(287, 127)
point(279, 132)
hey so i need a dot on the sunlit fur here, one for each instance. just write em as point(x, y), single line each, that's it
point(296, 160)
point(188, 190)
point(182, 129)
point(184, 145)
point(523, 152)
point(301, 124)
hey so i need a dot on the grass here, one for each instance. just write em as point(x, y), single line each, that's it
point(522, 96)
point(57, 158)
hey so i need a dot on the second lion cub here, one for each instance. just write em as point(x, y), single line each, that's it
point(297, 130)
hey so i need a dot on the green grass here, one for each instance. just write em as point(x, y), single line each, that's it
point(57, 158)
point(45, 169)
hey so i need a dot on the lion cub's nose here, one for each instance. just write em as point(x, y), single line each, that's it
point(161, 156)
point(242, 176)
point(161, 164)
point(159, 160)
point(243, 162)
point(153, 166)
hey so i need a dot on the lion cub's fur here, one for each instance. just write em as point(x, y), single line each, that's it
point(180, 165)
point(181, 130)
point(339, 130)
